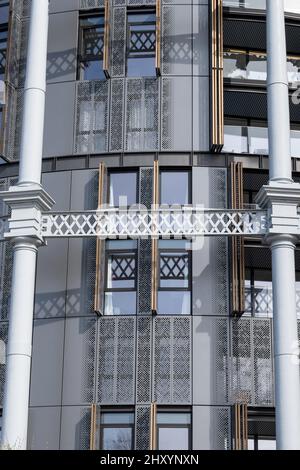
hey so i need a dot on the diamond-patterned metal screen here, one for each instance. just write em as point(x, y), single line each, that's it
point(172, 356)
point(143, 366)
point(116, 360)
point(123, 267)
point(252, 371)
point(142, 42)
point(93, 44)
point(142, 428)
point(3, 337)
point(174, 267)
point(92, 117)
point(142, 114)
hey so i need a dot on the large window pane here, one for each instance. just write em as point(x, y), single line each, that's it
point(123, 189)
point(175, 187)
point(91, 48)
point(173, 438)
point(141, 44)
point(117, 439)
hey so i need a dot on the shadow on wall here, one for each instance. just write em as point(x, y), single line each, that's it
point(61, 63)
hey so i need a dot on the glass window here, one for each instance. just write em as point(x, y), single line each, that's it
point(121, 277)
point(173, 430)
point(175, 187)
point(117, 430)
point(4, 11)
point(91, 47)
point(141, 39)
point(174, 291)
point(123, 188)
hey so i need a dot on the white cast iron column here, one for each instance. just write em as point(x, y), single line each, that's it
point(27, 200)
point(282, 196)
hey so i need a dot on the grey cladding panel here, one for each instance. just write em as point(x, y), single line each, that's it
point(43, 428)
point(79, 361)
point(201, 114)
point(200, 39)
point(75, 428)
point(177, 40)
point(57, 6)
point(62, 47)
point(211, 428)
point(47, 363)
point(59, 119)
point(210, 262)
point(176, 113)
point(51, 279)
point(210, 366)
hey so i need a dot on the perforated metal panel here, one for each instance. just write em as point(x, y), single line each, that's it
point(3, 337)
point(116, 360)
point(88, 4)
point(172, 360)
point(118, 42)
point(142, 428)
point(145, 246)
point(84, 429)
point(6, 260)
point(211, 428)
point(221, 360)
point(92, 117)
point(116, 116)
point(252, 375)
point(142, 114)
point(221, 425)
point(144, 348)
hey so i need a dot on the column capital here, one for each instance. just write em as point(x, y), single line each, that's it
point(27, 204)
point(281, 200)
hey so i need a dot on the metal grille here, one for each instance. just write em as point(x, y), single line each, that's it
point(142, 428)
point(89, 4)
point(93, 44)
point(116, 360)
point(142, 114)
point(221, 360)
point(221, 427)
point(3, 337)
point(88, 360)
point(142, 42)
point(118, 42)
point(172, 356)
point(84, 429)
point(92, 117)
point(123, 267)
point(116, 117)
point(219, 266)
point(174, 267)
point(252, 377)
point(143, 379)
point(145, 246)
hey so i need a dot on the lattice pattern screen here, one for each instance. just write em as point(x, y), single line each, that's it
point(172, 356)
point(3, 337)
point(92, 117)
point(116, 360)
point(118, 42)
point(143, 366)
point(252, 375)
point(142, 427)
point(116, 115)
point(142, 114)
point(144, 260)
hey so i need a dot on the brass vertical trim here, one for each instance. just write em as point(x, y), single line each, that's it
point(237, 243)
point(93, 427)
point(106, 38)
point(158, 38)
point(99, 243)
point(217, 86)
point(153, 432)
point(154, 254)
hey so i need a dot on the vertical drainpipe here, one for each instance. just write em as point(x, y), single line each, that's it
point(27, 201)
point(282, 189)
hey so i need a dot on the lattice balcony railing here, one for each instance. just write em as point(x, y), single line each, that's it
point(184, 222)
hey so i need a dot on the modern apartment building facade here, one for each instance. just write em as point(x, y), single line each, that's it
point(140, 343)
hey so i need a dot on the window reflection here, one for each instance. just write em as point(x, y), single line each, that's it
point(175, 187)
point(91, 47)
point(117, 431)
point(122, 188)
point(141, 44)
point(121, 277)
point(173, 430)
point(174, 292)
